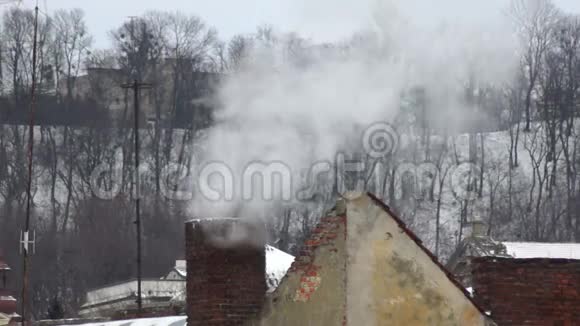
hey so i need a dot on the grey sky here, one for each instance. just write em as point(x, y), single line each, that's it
point(321, 20)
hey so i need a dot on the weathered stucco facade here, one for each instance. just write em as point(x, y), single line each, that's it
point(392, 279)
point(362, 266)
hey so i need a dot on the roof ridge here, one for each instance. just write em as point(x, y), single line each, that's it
point(418, 241)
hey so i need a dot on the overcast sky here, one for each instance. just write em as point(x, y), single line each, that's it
point(320, 20)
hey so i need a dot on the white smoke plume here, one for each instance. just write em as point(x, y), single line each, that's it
point(297, 112)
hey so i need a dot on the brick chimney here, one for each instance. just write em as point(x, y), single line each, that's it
point(226, 264)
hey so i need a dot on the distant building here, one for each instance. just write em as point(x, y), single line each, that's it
point(475, 244)
point(164, 296)
point(161, 297)
point(103, 86)
point(178, 273)
point(118, 301)
point(8, 303)
point(521, 283)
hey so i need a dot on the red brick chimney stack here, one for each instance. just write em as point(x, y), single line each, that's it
point(226, 265)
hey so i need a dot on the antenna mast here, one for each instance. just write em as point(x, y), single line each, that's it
point(26, 241)
point(136, 86)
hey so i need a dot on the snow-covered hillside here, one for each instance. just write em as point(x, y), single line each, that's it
point(535, 198)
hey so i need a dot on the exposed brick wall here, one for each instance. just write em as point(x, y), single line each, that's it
point(313, 292)
point(324, 234)
point(226, 282)
point(534, 292)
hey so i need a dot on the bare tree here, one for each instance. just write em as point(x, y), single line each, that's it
point(534, 21)
point(568, 49)
point(231, 56)
point(17, 26)
point(72, 43)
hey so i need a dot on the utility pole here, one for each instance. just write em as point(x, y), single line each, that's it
point(136, 86)
point(25, 240)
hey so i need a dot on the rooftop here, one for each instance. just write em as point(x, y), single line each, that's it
point(277, 265)
point(151, 288)
point(524, 250)
point(163, 321)
point(3, 265)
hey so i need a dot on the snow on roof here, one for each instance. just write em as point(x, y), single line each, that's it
point(181, 271)
point(470, 290)
point(277, 265)
point(163, 321)
point(525, 250)
point(181, 267)
point(121, 291)
point(3, 265)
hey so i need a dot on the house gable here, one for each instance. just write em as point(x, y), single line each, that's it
point(393, 279)
point(362, 266)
